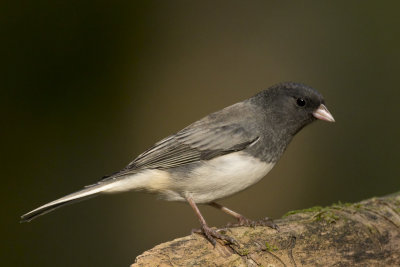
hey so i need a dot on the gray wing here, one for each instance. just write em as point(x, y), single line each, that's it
point(194, 143)
point(231, 129)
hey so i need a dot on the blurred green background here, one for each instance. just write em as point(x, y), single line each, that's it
point(88, 85)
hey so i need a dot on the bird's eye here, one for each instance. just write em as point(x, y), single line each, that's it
point(300, 102)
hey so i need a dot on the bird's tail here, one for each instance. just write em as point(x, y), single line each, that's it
point(87, 192)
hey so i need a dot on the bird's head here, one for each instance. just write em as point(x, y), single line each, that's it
point(291, 106)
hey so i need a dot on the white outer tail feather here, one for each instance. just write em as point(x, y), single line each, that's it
point(149, 179)
point(87, 192)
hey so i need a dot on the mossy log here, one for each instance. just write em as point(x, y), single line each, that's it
point(361, 234)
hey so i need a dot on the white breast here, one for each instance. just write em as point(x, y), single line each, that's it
point(223, 176)
point(213, 179)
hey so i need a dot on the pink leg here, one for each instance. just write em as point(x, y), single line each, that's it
point(207, 231)
point(243, 221)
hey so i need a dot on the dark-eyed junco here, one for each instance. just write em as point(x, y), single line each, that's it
point(217, 156)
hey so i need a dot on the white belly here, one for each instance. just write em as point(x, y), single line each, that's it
point(222, 177)
point(215, 179)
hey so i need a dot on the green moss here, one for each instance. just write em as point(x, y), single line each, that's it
point(396, 204)
point(270, 247)
point(326, 213)
point(243, 251)
point(247, 233)
point(397, 210)
point(312, 209)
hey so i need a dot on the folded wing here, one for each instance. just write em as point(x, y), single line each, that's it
point(192, 144)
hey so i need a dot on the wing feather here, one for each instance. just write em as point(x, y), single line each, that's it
point(188, 147)
point(202, 140)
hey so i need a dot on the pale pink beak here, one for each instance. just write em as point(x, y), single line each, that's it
point(322, 113)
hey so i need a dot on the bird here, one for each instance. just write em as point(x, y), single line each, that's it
point(216, 156)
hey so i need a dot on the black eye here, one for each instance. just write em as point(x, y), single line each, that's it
point(300, 102)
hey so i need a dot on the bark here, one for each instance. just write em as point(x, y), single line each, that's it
point(361, 234)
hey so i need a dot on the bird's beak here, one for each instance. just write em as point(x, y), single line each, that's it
point(322, 113)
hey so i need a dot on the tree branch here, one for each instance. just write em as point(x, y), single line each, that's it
point(361, 234)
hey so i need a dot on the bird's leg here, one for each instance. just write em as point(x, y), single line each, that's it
point(207, 231)
point(243, 221)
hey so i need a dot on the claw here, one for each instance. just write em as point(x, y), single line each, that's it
point(207, 231)
point(270, 223)
point(211, 234)
point(243, 221)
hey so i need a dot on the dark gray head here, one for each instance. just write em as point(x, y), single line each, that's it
point(291, 106)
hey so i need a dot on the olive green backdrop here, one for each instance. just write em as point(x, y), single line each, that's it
point(88, 85)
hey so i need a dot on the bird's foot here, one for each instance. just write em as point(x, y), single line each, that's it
point(211, 234)
point(243, 221)
point(269, 222)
